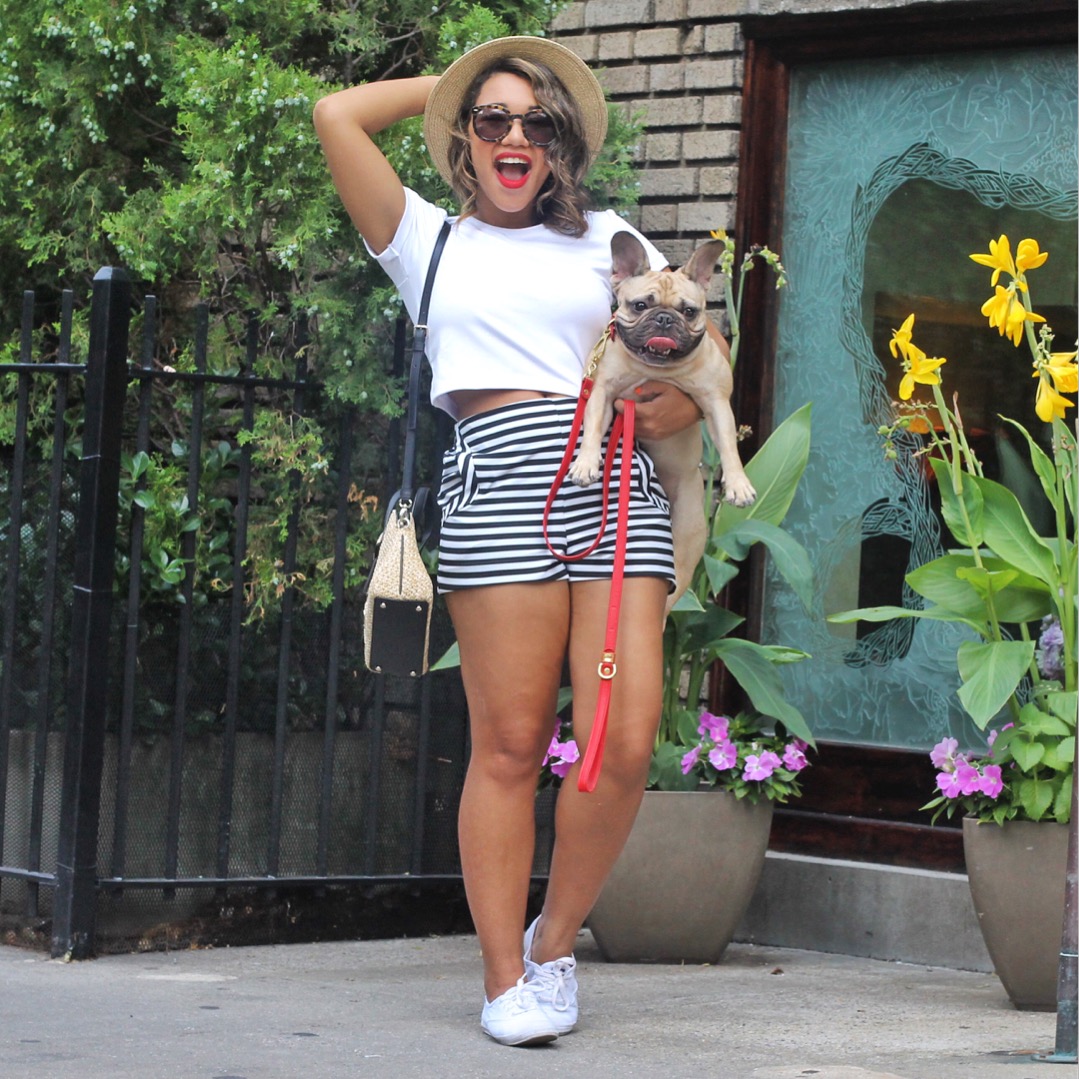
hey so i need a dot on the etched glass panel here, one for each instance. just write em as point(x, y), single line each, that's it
point(896, 172)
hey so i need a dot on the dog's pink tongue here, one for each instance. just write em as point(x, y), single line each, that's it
point(661, 344)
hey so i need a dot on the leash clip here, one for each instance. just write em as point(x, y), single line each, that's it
point(607, 667)
point(598, 349)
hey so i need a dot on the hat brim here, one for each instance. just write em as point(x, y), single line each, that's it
point(445, 101)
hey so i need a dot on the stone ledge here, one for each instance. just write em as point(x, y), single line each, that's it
point(866, 909)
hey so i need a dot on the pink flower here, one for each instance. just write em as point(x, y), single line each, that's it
point(567, 754)
point(794, 759)
point(723, 756)
point(761, 766)
point(714, 727)
point(968, 777)
point(992, 783)
point(943, 753)
point(948, 784)
point(690, 759)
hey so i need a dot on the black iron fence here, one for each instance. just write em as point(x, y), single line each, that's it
point(169, 744)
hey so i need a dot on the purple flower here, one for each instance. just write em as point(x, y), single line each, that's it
point(948, 784)
point(1050, 649)
point(714, 727)
point(761, 765)
point(567, 754)
point(992, 783)
point(967, 777)
point(943, 753)
point(794, 759)
point(723, 756)
point(690, 759)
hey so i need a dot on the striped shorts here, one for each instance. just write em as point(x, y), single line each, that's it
point(495, 482)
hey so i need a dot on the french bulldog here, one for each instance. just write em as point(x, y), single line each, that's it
point(660, 334)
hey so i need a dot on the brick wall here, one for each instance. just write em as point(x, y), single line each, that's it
point(678, 64)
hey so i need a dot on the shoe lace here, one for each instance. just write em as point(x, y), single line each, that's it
point(549, 979)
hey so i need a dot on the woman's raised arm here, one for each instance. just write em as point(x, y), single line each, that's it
point(345, 121)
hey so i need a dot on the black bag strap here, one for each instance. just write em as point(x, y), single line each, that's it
point(419, 345)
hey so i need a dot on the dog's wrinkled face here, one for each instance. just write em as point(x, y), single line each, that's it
point(661, 315)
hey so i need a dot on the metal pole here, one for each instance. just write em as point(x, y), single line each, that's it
point(74, 915)
point(1067, 980)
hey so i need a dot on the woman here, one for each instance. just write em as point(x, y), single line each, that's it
point(521, 295)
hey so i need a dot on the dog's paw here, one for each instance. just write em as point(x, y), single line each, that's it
point(585, 471)
point(739, 491)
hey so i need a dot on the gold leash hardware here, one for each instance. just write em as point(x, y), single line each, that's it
point(607, 667)
point(598, 350)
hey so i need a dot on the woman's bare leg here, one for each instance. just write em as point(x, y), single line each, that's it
point(591, 829)
point(513, 641)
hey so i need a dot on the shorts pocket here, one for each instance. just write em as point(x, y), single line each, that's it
point(459, 481)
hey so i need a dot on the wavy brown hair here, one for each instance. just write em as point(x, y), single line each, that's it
point(562, 200)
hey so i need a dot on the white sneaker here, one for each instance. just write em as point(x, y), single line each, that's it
point(516, 1018)
point(554, 985)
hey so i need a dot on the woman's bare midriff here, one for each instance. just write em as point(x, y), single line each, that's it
point(472, 402)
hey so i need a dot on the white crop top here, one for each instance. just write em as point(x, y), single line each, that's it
point(511, 308)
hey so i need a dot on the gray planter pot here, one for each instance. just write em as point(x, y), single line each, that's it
point(684, 880)
point(1017, 874)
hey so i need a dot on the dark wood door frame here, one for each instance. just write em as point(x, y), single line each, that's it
point(860, 802)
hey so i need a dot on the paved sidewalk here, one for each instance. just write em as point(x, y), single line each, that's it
point(409, 1008)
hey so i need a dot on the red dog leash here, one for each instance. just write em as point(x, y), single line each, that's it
point(621, 432)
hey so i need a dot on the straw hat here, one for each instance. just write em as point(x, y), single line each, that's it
point(445, 101)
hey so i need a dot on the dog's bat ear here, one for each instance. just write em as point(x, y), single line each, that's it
point(628, 257)
point(703, 261)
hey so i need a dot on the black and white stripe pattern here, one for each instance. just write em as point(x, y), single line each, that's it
point(495, 483)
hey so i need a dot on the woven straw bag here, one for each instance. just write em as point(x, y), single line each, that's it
point(400, 598)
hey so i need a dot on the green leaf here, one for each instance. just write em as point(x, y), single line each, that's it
point(719, 573)
point(788, 556)
point(687, 602)
point(963, 510)
point(1043, 466)
point(1060, 756)
point(1062, 803)
point(450, 658)
point(774, 471)
point(1027, 754)
point(145, 499)
point(755, 672)
point(1009, 533)
point(1035, 796)
point(1064, 705)
point(665, 771)
point(990, 672)
point(705, 630)
point(886, 614)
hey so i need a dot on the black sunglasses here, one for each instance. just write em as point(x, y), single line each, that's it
point(492, 123)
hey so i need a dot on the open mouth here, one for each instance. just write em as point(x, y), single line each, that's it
point(512, 170)
point(660, 347)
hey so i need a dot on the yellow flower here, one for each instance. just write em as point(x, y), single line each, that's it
point(1056, 375)
point(999, 258)
point(1006, 312)
point(1028, 257)
point(916, 365)
point(721, 234)
point(900, 341)
point(1049, 404)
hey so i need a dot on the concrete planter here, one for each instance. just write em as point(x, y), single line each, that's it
point(1017, 874)
point(684, 880)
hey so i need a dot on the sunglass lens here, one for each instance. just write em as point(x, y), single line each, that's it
point(539, 128)
point(491, 124)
